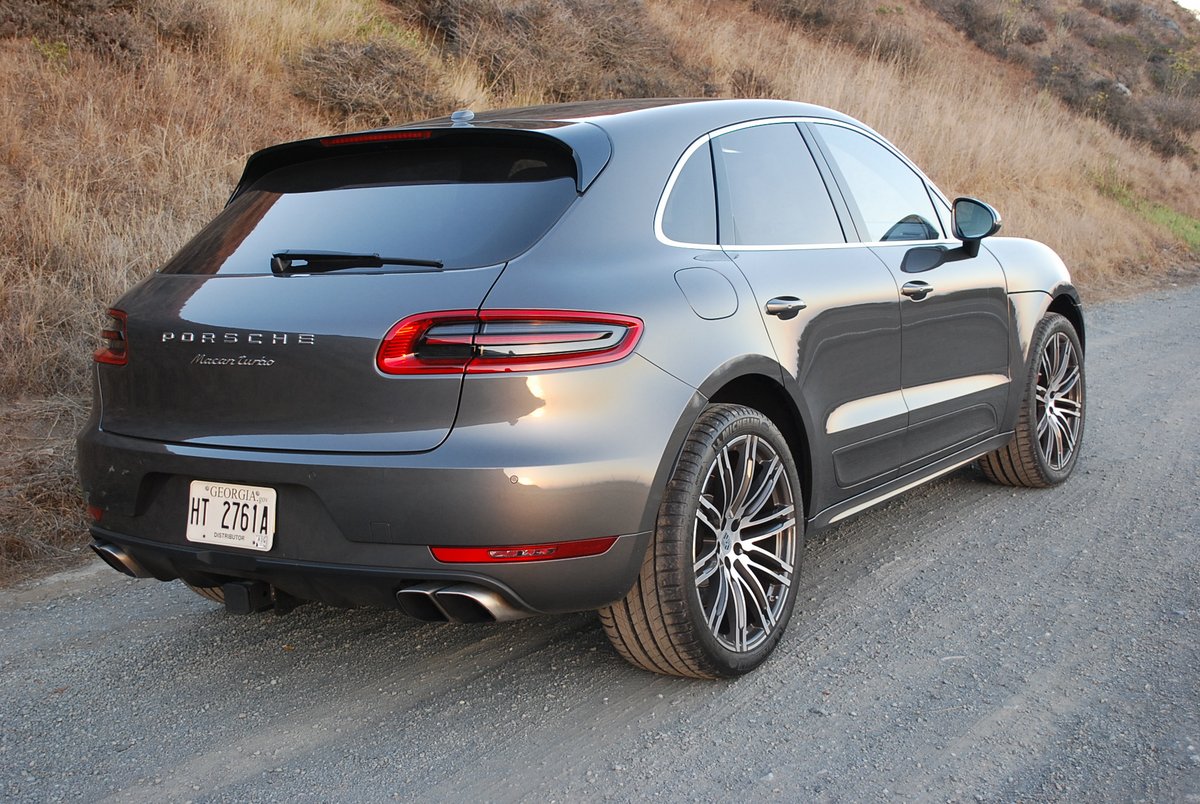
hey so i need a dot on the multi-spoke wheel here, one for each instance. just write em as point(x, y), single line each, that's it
point(719, 580)
point(1050, 428)
point(744, 543)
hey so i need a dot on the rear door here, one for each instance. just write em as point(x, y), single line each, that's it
point(238, 342)
point(955, 317)
point(840, 344)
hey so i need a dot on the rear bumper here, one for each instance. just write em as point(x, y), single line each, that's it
point(573, 584)
point(589, 460)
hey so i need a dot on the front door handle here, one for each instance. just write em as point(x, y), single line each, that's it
point(916, 290)
point(785, 307)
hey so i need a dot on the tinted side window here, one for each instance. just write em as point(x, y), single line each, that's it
point(891, 199)
point(769, 191)
point(690, 215)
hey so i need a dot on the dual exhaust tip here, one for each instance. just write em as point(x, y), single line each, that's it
point(430, 601)
point(438, 602)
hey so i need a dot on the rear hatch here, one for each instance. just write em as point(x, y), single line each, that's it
point(263, 331)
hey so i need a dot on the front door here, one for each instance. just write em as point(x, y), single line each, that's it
point(955, 317)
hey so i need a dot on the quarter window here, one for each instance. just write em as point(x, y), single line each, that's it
point(769, 191)
point(690, 215)
point(891, 199)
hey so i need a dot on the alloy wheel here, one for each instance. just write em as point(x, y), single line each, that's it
point(1059, 401)
point(744, 543)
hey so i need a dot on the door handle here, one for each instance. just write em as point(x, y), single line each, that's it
point(785, 307)
point(916, 290)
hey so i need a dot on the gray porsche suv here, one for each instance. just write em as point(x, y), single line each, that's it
point(616, 355)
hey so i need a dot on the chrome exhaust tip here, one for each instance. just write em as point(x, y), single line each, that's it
point(119, 560)
point(458, 603)
point(468, 603)
point(417, 602)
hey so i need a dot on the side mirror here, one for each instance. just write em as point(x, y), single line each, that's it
point(973, 221)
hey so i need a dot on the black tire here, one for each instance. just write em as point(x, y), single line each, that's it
point(214, 593)
point(663, 623)
point(1037, 457)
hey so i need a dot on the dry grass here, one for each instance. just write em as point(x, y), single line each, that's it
point(1002, 140)
point(1134, 65)
point(127, 121)
point(42, 520)
point(560, 50)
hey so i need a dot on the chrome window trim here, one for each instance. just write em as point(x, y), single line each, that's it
point(706, 138)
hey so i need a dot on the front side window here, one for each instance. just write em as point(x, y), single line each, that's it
point(891, 199)
point(769, 191)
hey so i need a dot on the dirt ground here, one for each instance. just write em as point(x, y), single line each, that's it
point(964, 642)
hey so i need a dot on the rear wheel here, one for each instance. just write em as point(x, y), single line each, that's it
point(1050, 428)
point(718, 583)
point(214, 593)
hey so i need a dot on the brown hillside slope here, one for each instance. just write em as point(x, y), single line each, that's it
point(125, 123)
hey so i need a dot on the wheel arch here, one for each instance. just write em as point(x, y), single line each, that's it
point(1067, 305)
point(766, 395)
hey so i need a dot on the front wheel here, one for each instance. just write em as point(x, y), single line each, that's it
point(1050, 428)
point(718, 583)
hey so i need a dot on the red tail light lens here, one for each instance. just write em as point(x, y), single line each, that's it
point(523, 552)
point(493, 341)
point(114, 348)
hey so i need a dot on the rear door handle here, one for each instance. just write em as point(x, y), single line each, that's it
point(916, 290)
point(785, 307)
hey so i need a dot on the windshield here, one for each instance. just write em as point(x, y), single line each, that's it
point(464, 206)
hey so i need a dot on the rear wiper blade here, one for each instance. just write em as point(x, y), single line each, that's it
point(311, 262)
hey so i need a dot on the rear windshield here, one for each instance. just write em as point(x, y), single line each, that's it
point(463, 206)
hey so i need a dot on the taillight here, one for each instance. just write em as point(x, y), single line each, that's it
point(491, 341)
point(523, 552)
point(114, 348)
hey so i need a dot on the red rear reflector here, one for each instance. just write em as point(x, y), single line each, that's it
point(95, 513)
point(378, 136)
point(523, 552)
point(493, 341)
point(114, 348)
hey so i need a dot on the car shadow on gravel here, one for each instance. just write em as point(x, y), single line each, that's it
point(379, 642)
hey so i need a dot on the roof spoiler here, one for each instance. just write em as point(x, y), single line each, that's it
point(587, 143)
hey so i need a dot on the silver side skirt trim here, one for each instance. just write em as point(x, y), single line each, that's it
point(890, 494)
point(906, 482)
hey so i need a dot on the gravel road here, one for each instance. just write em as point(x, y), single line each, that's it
point(964, 642)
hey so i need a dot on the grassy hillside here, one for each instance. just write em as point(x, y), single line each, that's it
point(126, 122)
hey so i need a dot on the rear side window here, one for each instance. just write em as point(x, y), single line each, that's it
point(690, 215)
point(769, 190)
point(891, 199)
point(463, 206)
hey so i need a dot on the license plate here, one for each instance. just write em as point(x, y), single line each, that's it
point(231, 515)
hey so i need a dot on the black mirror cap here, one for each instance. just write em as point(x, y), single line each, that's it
point(974, 220)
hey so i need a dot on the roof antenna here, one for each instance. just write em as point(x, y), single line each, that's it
point(462, 117)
